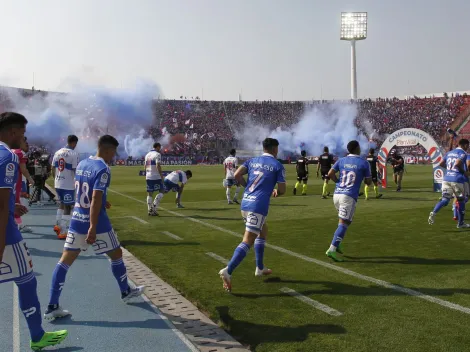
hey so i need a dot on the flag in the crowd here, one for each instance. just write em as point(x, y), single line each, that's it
point(187, 122)
point(174, 120)
point(211, 135)
point(192, 126)
point(194, 135)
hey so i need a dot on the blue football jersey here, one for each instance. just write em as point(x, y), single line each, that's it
point(352, 171)
point(9, 168)
point(264, 172)
point(92, 174)
point(453, 174)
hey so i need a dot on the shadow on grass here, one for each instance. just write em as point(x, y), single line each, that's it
point(342, 289)
point(126, 243)
point(287, 205)
point(253, 334)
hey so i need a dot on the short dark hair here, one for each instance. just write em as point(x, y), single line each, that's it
point(156, 145)
point(463, 142)
point(326, 149)
point(270, 143)
point(233, 152)
point(72, 139)
point(12, 119)
point(352, 146)
point(303, 153)
point(107, 141)
point(189, 173)
point(371, 151)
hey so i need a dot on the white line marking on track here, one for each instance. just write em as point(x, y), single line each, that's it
point(16, 320)
point(136, 219)
point(218, 257)
point(373, 280)
point(311, 302)
point(169, 234)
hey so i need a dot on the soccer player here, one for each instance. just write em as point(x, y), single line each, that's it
point(453, 185)
point(398, 164)
point(302, 173)
point(352, 171)
point(153, 177)
point(90, 225)
point(172, 183)
point(324, 165)
point(15, 260)
point(23, 171)
point(372, 159)
point(64, 164)
point(264, 172)
point(230, 165)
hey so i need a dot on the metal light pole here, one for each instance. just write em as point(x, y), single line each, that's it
point(353, 28)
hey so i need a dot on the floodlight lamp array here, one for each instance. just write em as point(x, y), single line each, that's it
point(353, 25)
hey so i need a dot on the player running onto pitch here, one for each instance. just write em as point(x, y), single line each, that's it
point(398, 164)
point(15, 260)
point(172, 183)
point(373, 161)
point(153, 177)
point(302, 173)
point(455, 162)
point(264, 172)
point(230, 165)
point(64, 163)
point(324, 165)
point(352, 171)
point(90, 225)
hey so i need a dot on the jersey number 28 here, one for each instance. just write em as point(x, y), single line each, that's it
point(83, 199)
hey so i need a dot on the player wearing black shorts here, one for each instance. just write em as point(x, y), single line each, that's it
point(302, 173)
point(398, 164)
point(325, 161)
point(372, 159)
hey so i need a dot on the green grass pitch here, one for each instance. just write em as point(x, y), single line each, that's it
point(389, 240)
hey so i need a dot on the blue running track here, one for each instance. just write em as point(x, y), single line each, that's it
point(100, 320)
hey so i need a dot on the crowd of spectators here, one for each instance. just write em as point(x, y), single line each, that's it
point(197, 126)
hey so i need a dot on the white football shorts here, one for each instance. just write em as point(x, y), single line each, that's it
point(16, 263)
point(105, 242)
point(253, 221)
point(345, 205)
point(451, 189)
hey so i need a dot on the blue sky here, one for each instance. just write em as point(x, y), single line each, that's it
point(277, 49)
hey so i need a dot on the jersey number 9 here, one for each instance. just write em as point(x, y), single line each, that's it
point(81, 195)
point(61, 165)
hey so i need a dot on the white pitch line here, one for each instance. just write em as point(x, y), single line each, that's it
point(136, 219)
point(169, 234)
point(311, 302)
point(217, 257)
point(342, 270)
point(16, 320)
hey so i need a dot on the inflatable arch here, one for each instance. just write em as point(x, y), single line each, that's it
point(411, 137)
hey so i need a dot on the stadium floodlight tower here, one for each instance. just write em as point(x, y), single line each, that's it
point(353, 28)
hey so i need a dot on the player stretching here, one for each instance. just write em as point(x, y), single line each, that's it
point(230, 165)
point(171, 183)
point(64, 163)
point(302, 173)
point(454, 182)
point(353, 170)
point(15, 260)
point(324, 165)
point(373, 161)
point(154, 177)
point(90, 225)
point(264, 172)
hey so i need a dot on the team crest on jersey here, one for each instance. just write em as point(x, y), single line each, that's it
point(10, 170)
point(8, 180)
point(104, 178)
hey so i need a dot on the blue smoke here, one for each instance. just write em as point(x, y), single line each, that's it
point(90, 112)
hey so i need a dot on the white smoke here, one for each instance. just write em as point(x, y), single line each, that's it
point(331, 125)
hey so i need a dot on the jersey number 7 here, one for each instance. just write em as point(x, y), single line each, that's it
point(259, 175)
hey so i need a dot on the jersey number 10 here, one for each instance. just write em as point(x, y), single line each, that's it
point(83, 199)
point(347, 179)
